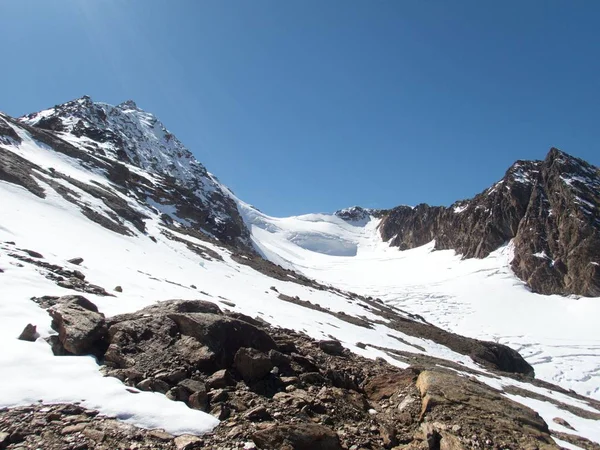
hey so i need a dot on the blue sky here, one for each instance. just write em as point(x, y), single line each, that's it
point(308, 106)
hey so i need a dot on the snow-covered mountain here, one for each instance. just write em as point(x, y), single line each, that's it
point(113, 188)
point(123, 140)
point(550, 208)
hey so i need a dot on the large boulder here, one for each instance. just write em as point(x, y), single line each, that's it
point(252, 364)
point(449, 399)
point(81, 327)
point(194, 335)
point(301, 436)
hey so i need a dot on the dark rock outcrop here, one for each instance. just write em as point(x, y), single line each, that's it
point(194, 335)
point(550, 208)
point(81, 328)
point(303, 436)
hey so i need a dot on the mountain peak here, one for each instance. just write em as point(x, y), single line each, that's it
point(128, 104)
point(125, 133)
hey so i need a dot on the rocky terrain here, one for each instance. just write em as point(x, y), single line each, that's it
point(549, 208)
point(271, 388)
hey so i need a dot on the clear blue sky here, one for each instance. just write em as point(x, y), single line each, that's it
point(305, 106)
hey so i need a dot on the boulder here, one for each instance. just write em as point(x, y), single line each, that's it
point(190, 335)
point(252, 364)
point(220, 379)
point(301, 436)
point(332, 347)
point(77, 261)
point(29, 333)
point(446, 395)
point(81, 328)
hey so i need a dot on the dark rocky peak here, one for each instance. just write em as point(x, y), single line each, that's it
point(357, 214)
point(125, 133)
point(550, 208)
point(129, 104)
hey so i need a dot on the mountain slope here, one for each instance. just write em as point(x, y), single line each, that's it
point(140, 158)
point(550, 208)
point(65, 196)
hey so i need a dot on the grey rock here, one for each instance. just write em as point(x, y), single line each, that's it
point(77, 261)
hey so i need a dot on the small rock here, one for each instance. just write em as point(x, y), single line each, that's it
point(198, 400)
point(29, 333)
point(75, 261)
point(218, 395)
point(154, 385)
point(70, 429)
point(118, 289)
point(187, 442)
point(563, 422)
point(312, 378)
point(33, 254)
point(301, 436)
point(79, 275)
point(257, 414)
point(220, 379)
point(94, 435)
point(289, 380)
point(162, 435)
point(221, 412)
point(332, 347)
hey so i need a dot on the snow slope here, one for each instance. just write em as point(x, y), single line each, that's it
point(479, 298)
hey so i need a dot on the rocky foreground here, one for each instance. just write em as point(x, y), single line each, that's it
point(271, 388)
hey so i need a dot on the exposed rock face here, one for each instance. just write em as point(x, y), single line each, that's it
point(550, 208)
point(358, 214)
point(441, 394)
point(194, 334)
point(81, 328)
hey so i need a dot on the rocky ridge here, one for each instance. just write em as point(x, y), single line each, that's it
point(550, 209)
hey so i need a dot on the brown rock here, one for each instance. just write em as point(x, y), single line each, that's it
point(252, 364)
point(220, 379)
point(563, 422)
point(256, 414)
point(187, 442)
point(74, 428)
point(198, 400)
point(29, 333)
point(153, 385)
point(81, 328)
point(386, 385)
point(302, 436)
